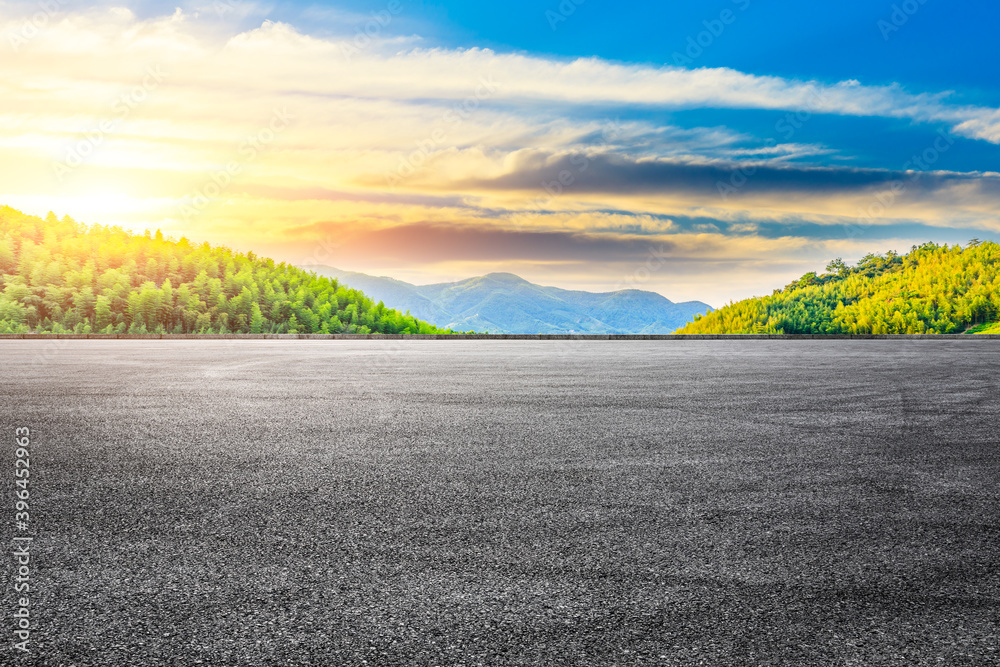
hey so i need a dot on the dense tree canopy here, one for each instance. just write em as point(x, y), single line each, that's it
point(932, 289)
point(61, 276)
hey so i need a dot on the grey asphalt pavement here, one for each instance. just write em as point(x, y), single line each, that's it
point(506, 502)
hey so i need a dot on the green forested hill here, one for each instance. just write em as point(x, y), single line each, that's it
point(932, 289)
point(60, 276)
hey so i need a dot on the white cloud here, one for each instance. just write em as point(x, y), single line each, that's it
point(362, 110)
point(277, 59)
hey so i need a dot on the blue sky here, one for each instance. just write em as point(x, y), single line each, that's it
point(749, 141)
point(940, 46)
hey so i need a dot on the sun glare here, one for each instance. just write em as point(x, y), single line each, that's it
point(107, 208)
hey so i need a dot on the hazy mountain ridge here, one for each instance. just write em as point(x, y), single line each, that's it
point(506, 303)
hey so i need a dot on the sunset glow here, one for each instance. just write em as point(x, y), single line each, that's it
point(368, 139)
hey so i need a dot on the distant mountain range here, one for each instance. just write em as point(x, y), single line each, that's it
point(505, 303)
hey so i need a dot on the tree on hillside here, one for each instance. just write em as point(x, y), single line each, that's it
point(932, 289)
point(57, 275)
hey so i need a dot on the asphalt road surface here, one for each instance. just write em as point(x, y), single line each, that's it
point(505, 502)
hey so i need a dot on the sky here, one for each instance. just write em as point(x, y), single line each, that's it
point(710, 150)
